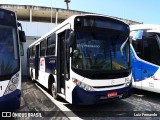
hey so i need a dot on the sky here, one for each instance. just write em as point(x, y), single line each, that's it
point(146, 11)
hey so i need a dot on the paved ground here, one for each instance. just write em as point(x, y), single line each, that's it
point(34, 100)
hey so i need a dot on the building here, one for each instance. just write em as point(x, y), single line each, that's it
point(36, 21)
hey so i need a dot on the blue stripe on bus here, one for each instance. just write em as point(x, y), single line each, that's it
point(140, 69)
point(82, 97)
point(50, 64)
point(10, 102)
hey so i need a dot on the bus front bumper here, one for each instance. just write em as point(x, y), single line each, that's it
point(10, 102)
point(82, 97)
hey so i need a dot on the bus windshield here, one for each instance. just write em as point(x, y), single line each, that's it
point(9, 60)
point(101, 51)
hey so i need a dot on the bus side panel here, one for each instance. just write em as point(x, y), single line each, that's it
point(47, 68)
point(148, 73)
point(136, 70)
point(142, 73)
point(50, 64)
point(10, 102)
point(32, 63)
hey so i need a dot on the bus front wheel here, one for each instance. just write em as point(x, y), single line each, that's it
point(54, 91)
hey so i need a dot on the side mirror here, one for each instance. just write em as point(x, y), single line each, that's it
point(70, 39)
point(22, 36)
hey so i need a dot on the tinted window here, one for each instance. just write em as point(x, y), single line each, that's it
point(148, 48)
point(151, 50)
point(51, 45)
point(43, 48)
point(138, 47)
point(100, 52)
point(32, 52)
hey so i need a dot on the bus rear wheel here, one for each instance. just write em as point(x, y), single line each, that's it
point(54, 91)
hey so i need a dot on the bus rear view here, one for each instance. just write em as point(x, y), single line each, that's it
point(10, 71)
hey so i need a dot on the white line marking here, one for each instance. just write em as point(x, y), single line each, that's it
point(60, 105)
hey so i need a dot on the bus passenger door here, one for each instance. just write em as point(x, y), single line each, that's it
point(37, 62)
point(150, 55)
point(61, 63)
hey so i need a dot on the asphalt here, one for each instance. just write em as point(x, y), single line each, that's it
point(35, 103)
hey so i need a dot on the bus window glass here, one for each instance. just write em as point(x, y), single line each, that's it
point(43, 48)
point(100, 52)
point(151, 49)
point(30, 52)
point(9, 62)
point(137, 45)
point(33, 51)
point(51, 45)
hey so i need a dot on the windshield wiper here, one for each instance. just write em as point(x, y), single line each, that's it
point(122, 46)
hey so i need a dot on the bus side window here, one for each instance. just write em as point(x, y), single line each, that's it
point(146, 50)
point(138, 47)
point(31, 52)
point(43, 45)
point(28, 56)
point(51, 43)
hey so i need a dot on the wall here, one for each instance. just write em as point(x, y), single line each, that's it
point(33, 31)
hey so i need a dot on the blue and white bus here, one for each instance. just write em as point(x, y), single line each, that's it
point(85, 60)
point(10, 64)
point(145, 56)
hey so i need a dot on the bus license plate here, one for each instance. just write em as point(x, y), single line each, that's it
point(112, 94)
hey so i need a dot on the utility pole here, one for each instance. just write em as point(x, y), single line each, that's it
point(67, 1)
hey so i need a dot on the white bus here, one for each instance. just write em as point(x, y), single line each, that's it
point(85, 60)
point(10, 63)
point(145, 56)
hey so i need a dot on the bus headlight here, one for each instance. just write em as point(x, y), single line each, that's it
point(128, 81)
point(15, 80)
point(12, 87)
point(83, 85)
point(13, 83)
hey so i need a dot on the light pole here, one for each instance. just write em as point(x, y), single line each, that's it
point(67, 1)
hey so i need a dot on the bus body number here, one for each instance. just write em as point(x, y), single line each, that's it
point(151, 85)
point(0, 87)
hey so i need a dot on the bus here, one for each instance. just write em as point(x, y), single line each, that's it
point(145, 58)
point(10, 63)
point(85, 60)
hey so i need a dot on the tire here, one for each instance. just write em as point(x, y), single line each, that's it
point(54, 91)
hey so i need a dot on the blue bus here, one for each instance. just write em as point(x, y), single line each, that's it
point(145, 56)
point(10, 63)
point(84, 60)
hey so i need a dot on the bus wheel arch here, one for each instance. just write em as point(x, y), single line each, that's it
point(52, 87)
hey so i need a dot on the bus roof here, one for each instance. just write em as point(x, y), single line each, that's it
point(144, 26)
point(66, 22)
point(9, 11)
